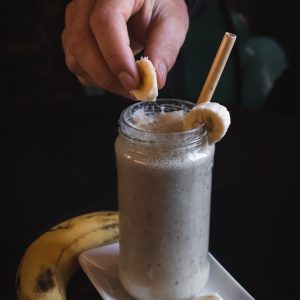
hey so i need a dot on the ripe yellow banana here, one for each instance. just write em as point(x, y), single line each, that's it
point(147, 90)
point(51, 260)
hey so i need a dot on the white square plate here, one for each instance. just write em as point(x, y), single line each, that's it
point(101, 266)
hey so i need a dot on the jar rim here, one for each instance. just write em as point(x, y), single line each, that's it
point(127, 128)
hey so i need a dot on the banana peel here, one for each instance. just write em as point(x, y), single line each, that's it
point(50, 261)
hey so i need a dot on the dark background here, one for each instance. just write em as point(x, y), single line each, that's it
point(60, 153)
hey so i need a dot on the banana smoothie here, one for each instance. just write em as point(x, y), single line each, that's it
point(164, 188)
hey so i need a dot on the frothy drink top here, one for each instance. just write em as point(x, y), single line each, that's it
point(160, 122)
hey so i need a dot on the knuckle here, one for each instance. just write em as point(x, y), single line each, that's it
point(85, 82)
point(70, 63)
point(82, 80)
point(76, 41)
point(101, 17)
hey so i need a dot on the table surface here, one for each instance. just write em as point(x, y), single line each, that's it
point(61, 151)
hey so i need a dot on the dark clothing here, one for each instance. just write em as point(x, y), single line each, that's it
point(196, 7)
point(175, 85)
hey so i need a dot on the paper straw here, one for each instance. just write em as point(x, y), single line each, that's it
point(217, 68)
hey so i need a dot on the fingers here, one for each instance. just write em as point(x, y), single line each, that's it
point(166, 36)
point(74, 66)
point(97, 45)
point(109, 26)
point(83, 56)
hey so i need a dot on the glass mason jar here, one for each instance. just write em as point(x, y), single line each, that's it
point(164, 189)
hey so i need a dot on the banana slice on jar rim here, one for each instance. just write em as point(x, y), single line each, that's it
point(215, 116)
point(147, 90)
point(214, 296)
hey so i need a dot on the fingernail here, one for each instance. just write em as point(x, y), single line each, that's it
point(127, 81)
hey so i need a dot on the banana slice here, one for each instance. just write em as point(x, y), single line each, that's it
point(214, 296)
point(147, 90)
point(214, 115)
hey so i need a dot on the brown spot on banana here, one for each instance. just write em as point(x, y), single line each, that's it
point(45, 282)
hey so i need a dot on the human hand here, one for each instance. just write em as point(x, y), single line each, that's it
point(97, 45)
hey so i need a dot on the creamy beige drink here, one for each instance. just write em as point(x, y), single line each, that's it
point(164, 187)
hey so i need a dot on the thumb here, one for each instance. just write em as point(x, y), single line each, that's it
point(167, 32)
